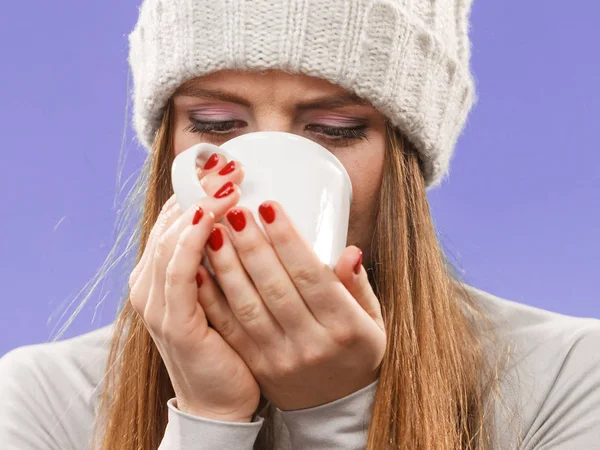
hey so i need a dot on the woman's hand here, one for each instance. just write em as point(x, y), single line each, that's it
point(209, 377)
point(309, 335)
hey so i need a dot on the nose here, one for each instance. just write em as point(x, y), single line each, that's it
point(274, 120)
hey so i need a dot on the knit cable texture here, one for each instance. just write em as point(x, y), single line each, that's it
point(409, 58)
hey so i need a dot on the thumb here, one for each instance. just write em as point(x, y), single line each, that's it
point(354, 277)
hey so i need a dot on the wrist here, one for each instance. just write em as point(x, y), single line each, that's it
point(205, 414)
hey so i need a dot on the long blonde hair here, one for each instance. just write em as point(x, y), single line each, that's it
point(435, 378)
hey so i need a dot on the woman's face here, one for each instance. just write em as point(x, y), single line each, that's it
point(220, 106)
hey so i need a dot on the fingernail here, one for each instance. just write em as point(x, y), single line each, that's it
point(212, 162)
point(215, 240)
point(198, 279)
point(225, 190)
point(358, 264)
point(230, 167)
point(237, 219)
point(197, 215)
point(267, 212)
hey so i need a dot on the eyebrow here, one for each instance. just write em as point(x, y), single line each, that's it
point(327, 102)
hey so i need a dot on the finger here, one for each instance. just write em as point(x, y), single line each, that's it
point(181, 305)
point(267, 274)
point(354, 277)
point(165, 246)
point(327, 299)
point(219, 314)
point(168, 214)
point(241, 295)
point(233, 171)
point(213, 163)
point(140, 279)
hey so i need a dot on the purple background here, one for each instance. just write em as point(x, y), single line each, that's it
point(520, 213)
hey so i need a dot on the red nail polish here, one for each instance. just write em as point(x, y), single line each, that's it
point(215, 240)
point(230, 167)
point(267, 212)
point(225, 190)
point(237, 219)
point(358, 264)
point(197, 215)
point(211, 162)
point(198, 279)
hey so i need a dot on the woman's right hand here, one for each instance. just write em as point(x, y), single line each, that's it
point(209, 378)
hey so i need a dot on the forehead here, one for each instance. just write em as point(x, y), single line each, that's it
point(270, 86)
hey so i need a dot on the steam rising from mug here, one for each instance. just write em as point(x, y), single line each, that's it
point(309, 182)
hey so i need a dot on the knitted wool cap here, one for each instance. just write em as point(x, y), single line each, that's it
point(409, 58)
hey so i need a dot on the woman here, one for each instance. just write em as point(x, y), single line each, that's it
point(388, 350)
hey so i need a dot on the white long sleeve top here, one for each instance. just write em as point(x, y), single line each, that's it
point(49, 394)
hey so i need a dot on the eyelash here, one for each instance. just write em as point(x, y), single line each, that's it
point(332, 134)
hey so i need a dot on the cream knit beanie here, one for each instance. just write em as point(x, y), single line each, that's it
point(409, 58)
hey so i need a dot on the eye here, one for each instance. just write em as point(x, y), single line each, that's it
point(340, 133)
point(333, 135)
point(201, 127)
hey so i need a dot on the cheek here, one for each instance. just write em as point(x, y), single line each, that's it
point(365, 169)
point(182, 140)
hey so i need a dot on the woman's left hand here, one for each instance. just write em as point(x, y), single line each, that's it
point(309, 335)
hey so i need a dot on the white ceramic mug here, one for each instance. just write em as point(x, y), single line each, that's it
point(311, 184)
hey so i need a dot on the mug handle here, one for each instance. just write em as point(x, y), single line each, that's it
point(184, 176)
